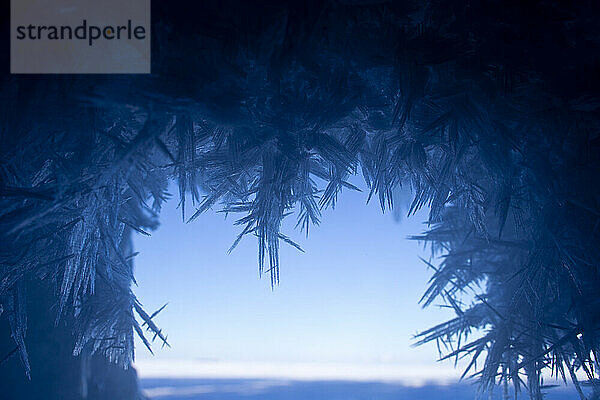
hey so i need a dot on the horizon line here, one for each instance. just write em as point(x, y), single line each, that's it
point(405, 374)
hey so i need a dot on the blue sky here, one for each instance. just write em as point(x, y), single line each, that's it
point(350, 300)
